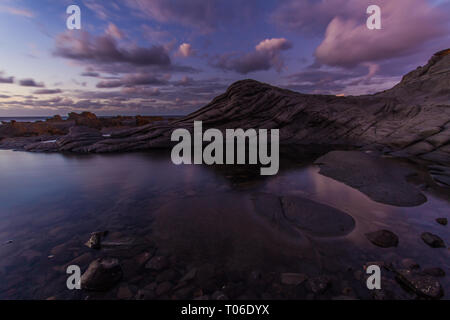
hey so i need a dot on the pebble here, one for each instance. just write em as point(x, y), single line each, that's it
point(383, 238)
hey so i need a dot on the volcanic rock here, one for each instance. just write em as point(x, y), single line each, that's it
point(422, 285)
point(102, 274)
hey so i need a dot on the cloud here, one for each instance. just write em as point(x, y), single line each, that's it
point(6, 79)
point(406, 26)
point(311, 17)
point(90, 74)
point(132, 80)
point(114, 31)
point(335, 81)
point(193, 13)
point(31, 83)
point(47, 91)
point(185, 50)
point(17, 11)
point(81, 46)
point(267, 55)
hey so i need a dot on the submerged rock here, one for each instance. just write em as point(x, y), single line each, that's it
point(422, 285)
point(380, 179)
point(157, 263)
point(434, 272)
point(432, 240)
point(293, 278)
point(442, 221)
point(319, 284)
point(316, 218)
point(383, 238)
point(102, 274)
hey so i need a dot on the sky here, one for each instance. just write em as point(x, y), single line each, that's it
point(171, 57)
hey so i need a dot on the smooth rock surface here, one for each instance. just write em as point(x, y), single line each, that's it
point(383, 238)
point(432, 240)
point(379, 179)
point(102, 274)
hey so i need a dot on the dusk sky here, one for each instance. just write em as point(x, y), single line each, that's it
point(174, 56)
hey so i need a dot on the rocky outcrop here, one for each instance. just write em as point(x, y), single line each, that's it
point(412, 119)
point(25, 135)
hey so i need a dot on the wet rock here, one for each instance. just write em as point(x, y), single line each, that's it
point(383, 238)
point(144, 294)
point(385, 182)
point(205, 273)
point(219, 295)
point(184, 293)
point(167, 275)
point(410, 264)
point(102, 274)
point(124, 293)
point(157, 263)
point(434, 272)
point(432, 240)
point(422, 285)
point(94, 241)
point(163, 288)
point(143, 258)
point(293, 278)
point(442, 221)
point(189, 275)
point(319, 284)
point(316, 218)
point(344, 298)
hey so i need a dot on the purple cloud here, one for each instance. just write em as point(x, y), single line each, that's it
point(193, 13)
point(267, 55)
point(406, 26)
point(48, 91)
point(31, 83)
point(6, 79)
point(104, 49)
point(132, 80)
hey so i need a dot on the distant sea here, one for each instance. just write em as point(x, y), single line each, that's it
point(34, 119)
point(25, 119)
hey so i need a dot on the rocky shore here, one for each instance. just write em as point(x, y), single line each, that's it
point(18, 135)
point(360, 139)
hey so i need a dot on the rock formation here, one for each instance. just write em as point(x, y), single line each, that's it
point(410, 120)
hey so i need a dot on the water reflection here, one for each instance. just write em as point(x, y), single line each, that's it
point(49, 204)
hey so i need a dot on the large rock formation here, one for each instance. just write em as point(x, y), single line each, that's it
point(412, 119)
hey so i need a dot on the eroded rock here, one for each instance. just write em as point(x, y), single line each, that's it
point(422, 285)
point(102, 274)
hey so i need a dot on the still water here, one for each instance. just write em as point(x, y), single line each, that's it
point(50, 203)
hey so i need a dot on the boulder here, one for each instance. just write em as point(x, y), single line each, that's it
point(422, 285)
point(102, 274)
